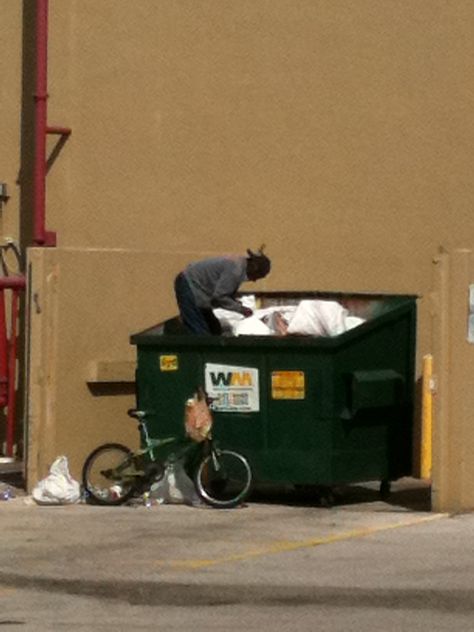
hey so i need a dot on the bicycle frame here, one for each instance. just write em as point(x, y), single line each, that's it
point(152, 446)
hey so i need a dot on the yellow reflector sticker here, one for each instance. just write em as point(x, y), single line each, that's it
point(168, 362)
point(288, 385)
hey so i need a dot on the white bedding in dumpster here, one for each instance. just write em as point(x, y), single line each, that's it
point(308, 318)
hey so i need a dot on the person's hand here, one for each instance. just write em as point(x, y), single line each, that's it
point(247, 312)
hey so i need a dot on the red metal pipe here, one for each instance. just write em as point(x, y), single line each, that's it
point(41, 96)
point(41, 236)
point(12, 353)
point(12, 282)
point(3, 352)
point(62, 131)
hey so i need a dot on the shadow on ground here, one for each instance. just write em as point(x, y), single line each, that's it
point(411, 494)
point(11, 477)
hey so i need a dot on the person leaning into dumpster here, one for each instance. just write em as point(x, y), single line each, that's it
point(210, 283)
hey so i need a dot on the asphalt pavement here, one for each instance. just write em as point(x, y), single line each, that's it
point(281, 562)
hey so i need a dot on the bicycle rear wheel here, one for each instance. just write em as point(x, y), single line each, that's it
point(223, 478)
point(106, 475)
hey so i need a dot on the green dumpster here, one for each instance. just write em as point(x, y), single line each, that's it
point(305, 410)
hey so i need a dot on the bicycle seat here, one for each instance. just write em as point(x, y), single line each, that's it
point(136, 414)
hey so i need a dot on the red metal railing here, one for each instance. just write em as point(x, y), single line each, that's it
point(8, 354)
point(41, 237)
point(8, 343)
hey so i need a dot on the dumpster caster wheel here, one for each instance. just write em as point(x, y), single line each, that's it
point(385, 488)
point(327, 498)
point(317, 494)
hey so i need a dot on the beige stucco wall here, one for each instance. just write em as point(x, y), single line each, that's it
point(10, 121)
point(84, 306)
point(339, 134)
point(453, 347)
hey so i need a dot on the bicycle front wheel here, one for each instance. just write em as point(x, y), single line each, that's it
point(106, 475)
point(223, 479)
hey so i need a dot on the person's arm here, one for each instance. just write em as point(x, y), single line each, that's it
point(224, 292)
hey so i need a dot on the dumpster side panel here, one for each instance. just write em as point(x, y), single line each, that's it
point(166, 378)
point(373, 407)
point(298, 431)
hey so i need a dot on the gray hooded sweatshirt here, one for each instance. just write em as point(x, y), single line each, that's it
point(215, 281)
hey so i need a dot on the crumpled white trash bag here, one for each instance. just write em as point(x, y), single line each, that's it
point(175, 487)
point(270, 315)
point(320, 318)
point(252, 326)
point(353, 321)
point(311, 317)
point(228, 319)
point(58, 488)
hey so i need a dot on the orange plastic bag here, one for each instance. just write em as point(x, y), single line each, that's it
point(197, 417)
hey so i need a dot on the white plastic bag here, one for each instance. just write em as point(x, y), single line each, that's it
point(353, 321)
point(252, 326)
point(230, 320)
point(58, 488)
point(175, 487)
point(318, 318)
point(227, 319)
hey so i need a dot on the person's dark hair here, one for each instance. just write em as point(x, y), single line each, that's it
point(258, 264)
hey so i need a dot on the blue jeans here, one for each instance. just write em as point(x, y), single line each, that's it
point(195, 319)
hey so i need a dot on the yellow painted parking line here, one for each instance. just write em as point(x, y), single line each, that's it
point(5, 591)
point(291, 545)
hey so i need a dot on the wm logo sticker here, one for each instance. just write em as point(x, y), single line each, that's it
point(232, 388)
point(231, 378)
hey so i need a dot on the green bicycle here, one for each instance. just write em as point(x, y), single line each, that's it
point(113, 473)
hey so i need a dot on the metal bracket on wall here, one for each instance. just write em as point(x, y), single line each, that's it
point(3, 192)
